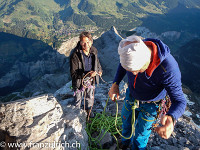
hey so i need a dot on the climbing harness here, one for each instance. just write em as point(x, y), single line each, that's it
point(164, 105)
point(148, 114)
point(163, 108)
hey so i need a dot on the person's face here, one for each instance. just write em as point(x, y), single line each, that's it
point(86, 44)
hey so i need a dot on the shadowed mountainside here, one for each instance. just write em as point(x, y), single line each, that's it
point(178, 19)
point(14, 48)
point(188, 57)
point(23, 60)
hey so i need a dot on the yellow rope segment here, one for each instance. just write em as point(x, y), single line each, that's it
point(136, 105)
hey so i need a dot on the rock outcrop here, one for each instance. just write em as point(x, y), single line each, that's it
point(39, 123)
point(68, 45)
point(54, 120)
point(186, 134)
point(107, 46)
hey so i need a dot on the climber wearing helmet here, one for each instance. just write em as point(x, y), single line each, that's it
point(152, 74)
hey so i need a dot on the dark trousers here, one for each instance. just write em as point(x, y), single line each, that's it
point(88, 95)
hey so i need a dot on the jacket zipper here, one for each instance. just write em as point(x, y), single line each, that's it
point(135, 81)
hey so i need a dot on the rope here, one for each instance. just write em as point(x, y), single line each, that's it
point(87, 80)
point(87, 83)
point(101, 124)
point(102, 79)
point(84, 100)
point(135, 105)
point(91, 106)
point(104, 122)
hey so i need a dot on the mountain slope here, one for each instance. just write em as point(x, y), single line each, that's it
point(53, 20)
point(189, 60)
point(23, 60)
point(32, 18)
point(180, 19)
point(14, 48)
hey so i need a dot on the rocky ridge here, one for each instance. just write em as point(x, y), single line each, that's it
point(107, 46)
point(41, 122)
point(69, 123)
point(186, 134)
point(54, 119)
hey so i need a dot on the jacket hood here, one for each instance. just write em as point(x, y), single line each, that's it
point(163, 49)
point(159, 52)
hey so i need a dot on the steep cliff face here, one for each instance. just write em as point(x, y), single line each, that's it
point(188, 57)
point(22, 73)
point(23, 61)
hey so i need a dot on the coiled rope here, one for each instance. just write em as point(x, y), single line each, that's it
point(87, 83)
point(103, 123)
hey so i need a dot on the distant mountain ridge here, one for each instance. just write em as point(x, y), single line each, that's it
point(52, 20)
